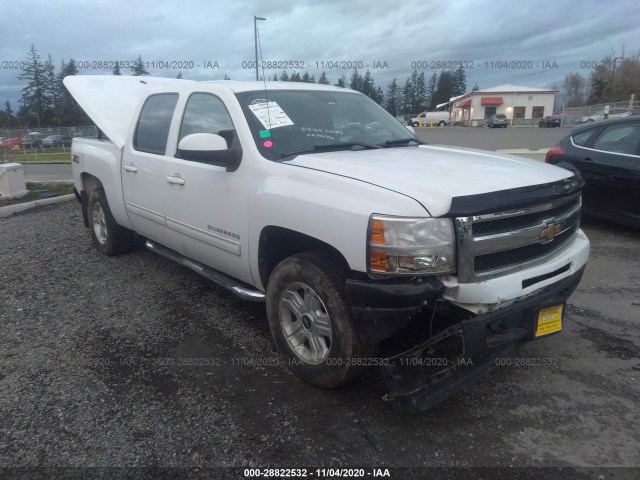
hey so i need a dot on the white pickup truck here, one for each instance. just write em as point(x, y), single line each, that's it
point(314, 200)
point(431, 119)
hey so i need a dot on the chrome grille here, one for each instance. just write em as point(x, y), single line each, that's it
point(495, 244)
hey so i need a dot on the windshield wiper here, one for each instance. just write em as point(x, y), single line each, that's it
point(329, 147)
point(401, 141)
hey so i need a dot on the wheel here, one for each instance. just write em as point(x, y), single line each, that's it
point(108, 237)
point(311, 321)
point(415, 124)
point(442, 123)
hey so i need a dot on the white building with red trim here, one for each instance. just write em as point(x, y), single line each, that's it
point(522, 105)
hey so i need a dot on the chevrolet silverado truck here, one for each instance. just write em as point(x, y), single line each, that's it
point(352, 231)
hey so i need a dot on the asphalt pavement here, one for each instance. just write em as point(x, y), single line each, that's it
point(47, 172)
point(136, 361)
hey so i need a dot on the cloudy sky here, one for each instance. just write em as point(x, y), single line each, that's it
point(529, 42)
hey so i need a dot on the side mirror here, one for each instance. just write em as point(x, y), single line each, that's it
point(411, 129)
point(202, 142)
point(209, 148)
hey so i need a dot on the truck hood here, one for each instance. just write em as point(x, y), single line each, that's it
point(111, 100)
point(434, 174)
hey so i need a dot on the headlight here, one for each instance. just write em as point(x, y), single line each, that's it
point(410, 246)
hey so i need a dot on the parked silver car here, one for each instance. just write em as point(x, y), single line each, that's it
point(497, 121)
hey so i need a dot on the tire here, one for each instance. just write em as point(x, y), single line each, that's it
point(108, 237)
point(442, 123)
point(311, 320)
point(415, 124)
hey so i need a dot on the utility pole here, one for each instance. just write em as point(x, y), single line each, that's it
point(255, 39)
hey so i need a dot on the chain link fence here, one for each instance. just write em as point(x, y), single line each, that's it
point(593, 113)
point(18, 144)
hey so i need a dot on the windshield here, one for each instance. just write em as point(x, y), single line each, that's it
point(303, 121)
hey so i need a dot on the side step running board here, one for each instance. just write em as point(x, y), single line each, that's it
point(235, 286)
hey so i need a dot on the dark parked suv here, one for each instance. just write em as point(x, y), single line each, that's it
point(606, 155)
point(552, 121)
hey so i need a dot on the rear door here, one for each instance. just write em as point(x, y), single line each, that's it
point(144, 178)
point(609, 167)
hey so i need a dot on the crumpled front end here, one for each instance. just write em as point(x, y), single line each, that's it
point(434, 370)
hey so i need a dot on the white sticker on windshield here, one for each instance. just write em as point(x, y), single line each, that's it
point(270, 114)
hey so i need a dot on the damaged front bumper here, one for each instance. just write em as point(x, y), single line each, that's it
point(436, 369)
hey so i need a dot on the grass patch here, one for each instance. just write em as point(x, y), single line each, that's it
point(39, 191)
point(37, 155)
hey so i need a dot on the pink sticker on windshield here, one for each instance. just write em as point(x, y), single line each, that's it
point(268, 144)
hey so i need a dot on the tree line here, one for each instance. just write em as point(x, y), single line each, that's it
point(45, 102)
point(613, 79)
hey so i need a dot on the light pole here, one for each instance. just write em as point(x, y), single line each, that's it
point(255, 39)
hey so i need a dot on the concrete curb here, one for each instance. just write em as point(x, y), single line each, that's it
point(20, 207)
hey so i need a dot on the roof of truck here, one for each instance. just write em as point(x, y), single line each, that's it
point(111, 100)
point(241, 86)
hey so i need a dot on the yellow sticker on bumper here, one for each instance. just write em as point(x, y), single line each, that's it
point(549, 320)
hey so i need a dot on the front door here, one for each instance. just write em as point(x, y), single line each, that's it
point(207, 206)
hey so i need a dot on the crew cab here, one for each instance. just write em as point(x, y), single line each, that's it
point(317, 202)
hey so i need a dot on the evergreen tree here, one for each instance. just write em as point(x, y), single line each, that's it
point(356, 81)
point(226, 77)
point(475, 87)
point(295, 77)
point(34, 94)
point(460, 82)
point(393, 98)
point(431, 91)
point(307, 78)
point(138, 69)
point(379, 96)
point(407, 97)
point(420, 93)
point(284, 77)
point(7, 119)
point(52, 90)
point(446, 87)
point(275, 77)
point(72, 115)
point(116, 68)
point(367, 85)
point(342, 81)
point(179, 76)
point(323, 80)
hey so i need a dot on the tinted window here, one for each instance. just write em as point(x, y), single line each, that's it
point(619, 139)
point(205, 113)
point(155, 121)
point(582, 138)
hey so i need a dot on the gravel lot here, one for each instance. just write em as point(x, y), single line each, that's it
point(96, 372)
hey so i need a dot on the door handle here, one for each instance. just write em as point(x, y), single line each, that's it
point(588, 159)
point(175, 179)
point(131, 168)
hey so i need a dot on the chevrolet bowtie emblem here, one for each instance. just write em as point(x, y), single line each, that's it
point(550, 232)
